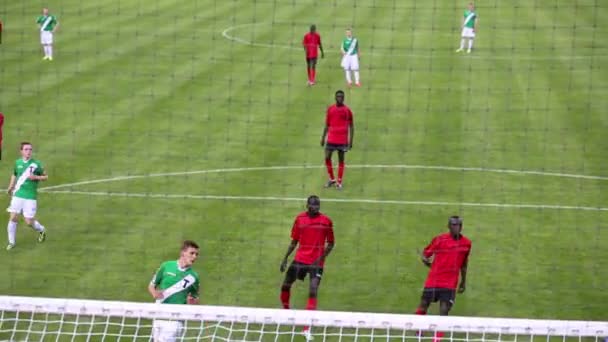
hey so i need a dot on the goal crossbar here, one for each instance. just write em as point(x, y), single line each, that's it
point(357, 320)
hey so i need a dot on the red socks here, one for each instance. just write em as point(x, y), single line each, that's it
point(285, 299)
point(419, 311)
point(330, 169)
point(312, 304)
point(340, 172)
point(312, 75)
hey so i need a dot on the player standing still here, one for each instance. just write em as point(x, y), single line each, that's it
point(175, 282)
point(23, 187)
point(468, 28)
point(450, 255)
point(312, 45)
point(48, 24)
point(314, 233)
point(338, 135)
point(350, 57)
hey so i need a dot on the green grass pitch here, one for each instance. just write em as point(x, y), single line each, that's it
point(163, 86)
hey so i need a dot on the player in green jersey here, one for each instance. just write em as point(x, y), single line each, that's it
point(175, 282)
point(23, 188)
point(469, 26)
point(48, 24)
point(350, 57)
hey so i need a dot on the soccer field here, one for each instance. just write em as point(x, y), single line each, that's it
point(163, 120)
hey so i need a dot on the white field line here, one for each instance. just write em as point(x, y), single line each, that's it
point(226, 33)
point(301, 167)
point(334, 200)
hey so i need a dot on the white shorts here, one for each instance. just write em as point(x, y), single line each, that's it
point(350, 62)
point(46, 37)
point(468, 32)
point(21, 205)
point(166, 331)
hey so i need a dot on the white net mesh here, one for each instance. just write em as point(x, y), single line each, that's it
point(45, 319)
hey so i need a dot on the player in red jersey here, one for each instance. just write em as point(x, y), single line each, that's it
point(312, 45)
point(447, 256)
point(314, 233)
point(338, 135)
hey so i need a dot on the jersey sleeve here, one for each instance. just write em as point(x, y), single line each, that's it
point(431, 248)
point(39, 20)
point(305, 40)
point(351, 118)
point(158, 276)
point(15, 170)
point(295, 230)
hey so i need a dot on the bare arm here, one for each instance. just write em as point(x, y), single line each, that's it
point(321, 48)
point(11, 184)
point(463, 277)
point(56, 27)
point(156, 294)
point(41, 177)
point(351, 134)
point(290, 249)
point(324, 135)
point(328, 249)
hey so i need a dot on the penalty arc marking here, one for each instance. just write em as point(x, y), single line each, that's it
point(66, 188)
point(227, 34)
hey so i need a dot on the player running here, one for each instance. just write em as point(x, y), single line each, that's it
point(447, 256)
point(48, 24)
point(314, 233)
point(23, 187)
point(350, 57)
point(312, 45)
point(338, 135)
point(469, 25)
point(175, 282)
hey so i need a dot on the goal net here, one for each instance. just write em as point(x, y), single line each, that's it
point(46, 319)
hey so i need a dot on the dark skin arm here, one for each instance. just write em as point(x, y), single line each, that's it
point(351, 135)
point(463, 277)
point(328, 249)
point(321, 48)
point(290, 249)
point(324, 135)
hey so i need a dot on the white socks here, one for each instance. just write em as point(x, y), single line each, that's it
point(470, 44)
point(357, 76)
point(11, 229)
point(48, 50)
point(37, 226)
point(348, 79)
point(462, 41)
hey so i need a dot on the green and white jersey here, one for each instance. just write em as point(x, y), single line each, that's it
point(24, 187)
point(350, 45)
point(47, 22)
point(176, 283)
point(469, 18)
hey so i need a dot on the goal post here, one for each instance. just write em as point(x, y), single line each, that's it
point(59, 319)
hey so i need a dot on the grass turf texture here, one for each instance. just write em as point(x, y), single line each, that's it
point(149, 87)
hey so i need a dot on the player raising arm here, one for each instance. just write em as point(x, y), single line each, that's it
point(312, 45)
point(23, 187)
point(175, 282)
point(469, 25)
point(314, 234)
point(338, 135)
point(447, 255)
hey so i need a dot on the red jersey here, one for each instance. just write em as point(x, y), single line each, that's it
point(311, 42)
point(338, 121)
point(450, 256)
point(311, 234)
